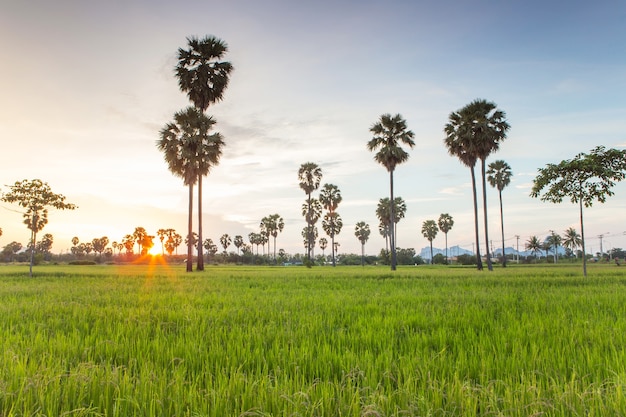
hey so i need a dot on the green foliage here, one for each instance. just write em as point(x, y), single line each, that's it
point(82, 262)
point(351, 341)
point(466, 259)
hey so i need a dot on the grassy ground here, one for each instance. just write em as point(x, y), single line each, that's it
point(274, 341)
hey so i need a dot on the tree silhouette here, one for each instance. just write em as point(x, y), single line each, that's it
point(499, 176)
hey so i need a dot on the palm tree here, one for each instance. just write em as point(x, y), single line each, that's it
point(225, 240)
point(272, 225)
point(238, 242)
point(383, 212)
point(204, 78)
point(362, 232)
point(499, 176)
point(390, 133)
point(310, 236)
point(311, 211)
point(332, 225)
point(473, 133)
point(330, 197)
point(572, 240)
point(534, 245)
point(190, 152)
point(323, 245)
point(445, 224)
point(429, 231)
point(309, 177)
point(553, 241)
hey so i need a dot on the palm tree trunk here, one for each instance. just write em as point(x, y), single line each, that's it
point(362, 254)
point(479, 262)
point(502, 229)
point(431, 252)
point(446, 234)
point(332, 247)
point(309, 230)
point(190, 231)
point(200, 266)
point(582, 237)
point(484, 177)
point(392, 235)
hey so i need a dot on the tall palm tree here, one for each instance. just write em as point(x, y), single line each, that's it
point(572, 240)
point(309, 177)
point(272, 225)
point(457, 144)
point(499, 176)
point(323, 245)
point(383, 212)
point(204, 77)
point(190, 151)
point(533, 244)
point(390, 133)
point(552, 242)
point(429, 231)
point(473, 133)
point(332, 225)
point(445, 224)
point(362, 232)
point(330, 197)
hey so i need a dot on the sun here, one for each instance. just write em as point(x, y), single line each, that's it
point(155, 250)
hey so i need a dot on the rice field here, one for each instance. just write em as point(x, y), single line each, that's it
point(291, 341)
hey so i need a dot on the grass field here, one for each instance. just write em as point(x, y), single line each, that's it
point(349, 341)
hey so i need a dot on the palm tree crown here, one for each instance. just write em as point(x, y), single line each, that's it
point(390, 133)
point(200, 73)
point(499, 174)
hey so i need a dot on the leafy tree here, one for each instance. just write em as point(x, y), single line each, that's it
point(390, 133)
point(585, 179)
point(190, 151)
point(533, 244)
point(362, 232)
point(445, 224)
point(35, 196)
point(193, 241)
point(429, 231)
point(571, 239)
point(473, 133)
point(309, 177)
point(10, 250)
point(499, 176)
point(75, 240)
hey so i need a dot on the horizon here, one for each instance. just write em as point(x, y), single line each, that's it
point(90, 86)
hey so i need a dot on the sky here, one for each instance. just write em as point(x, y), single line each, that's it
point(86, 87)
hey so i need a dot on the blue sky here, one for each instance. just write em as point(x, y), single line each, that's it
point(86, 87)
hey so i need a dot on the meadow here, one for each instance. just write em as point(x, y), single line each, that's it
point(153, 340)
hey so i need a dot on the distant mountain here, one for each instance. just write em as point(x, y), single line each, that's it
point(457, 250)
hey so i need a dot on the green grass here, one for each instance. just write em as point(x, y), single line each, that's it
point(351, 341)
